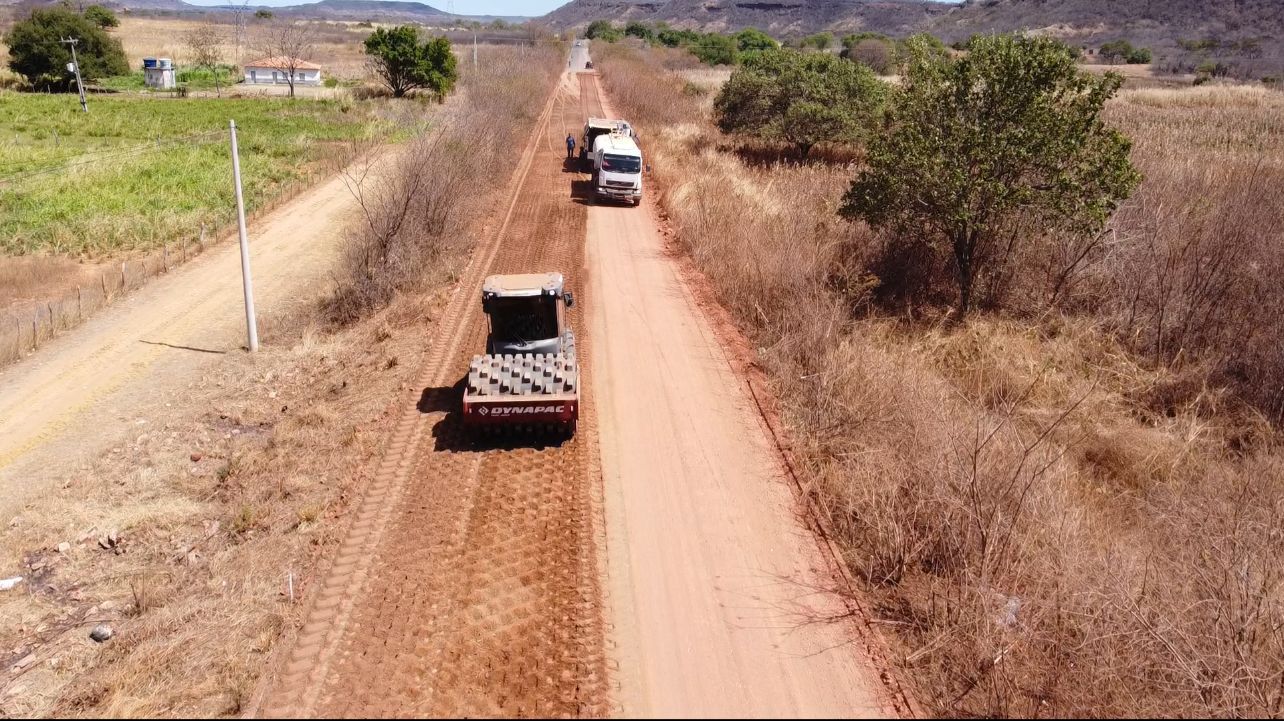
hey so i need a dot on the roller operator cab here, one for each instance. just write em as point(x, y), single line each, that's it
point(529, 376)
point(617, 168)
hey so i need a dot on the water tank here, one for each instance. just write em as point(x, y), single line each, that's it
point(166, 63)
point(149, 62)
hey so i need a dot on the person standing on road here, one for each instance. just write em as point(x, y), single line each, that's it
point(570, 145)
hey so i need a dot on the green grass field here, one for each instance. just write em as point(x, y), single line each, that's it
point(137, 172)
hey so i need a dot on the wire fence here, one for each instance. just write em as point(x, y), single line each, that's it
point(25, 330)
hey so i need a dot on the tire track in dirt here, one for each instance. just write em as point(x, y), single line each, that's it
point(469, 581)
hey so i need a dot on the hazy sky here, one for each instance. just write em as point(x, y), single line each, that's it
point(463, 7)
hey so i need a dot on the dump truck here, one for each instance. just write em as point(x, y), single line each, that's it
point(617, 168)
point(596, 127)
point(529, 376)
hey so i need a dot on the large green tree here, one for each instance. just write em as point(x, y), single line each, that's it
point(990, 150)
point(603, 30)
point(799, 98)
point(639, 30)
point(715, 49)
point(752, 40)
point(36, 50)
point(404, 63)
point(101, 16)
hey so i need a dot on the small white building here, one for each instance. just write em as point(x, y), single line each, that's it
point(276, 71)
point(158, 73)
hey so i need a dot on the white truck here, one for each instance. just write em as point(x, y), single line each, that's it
point(596, 127)
point(617, 167)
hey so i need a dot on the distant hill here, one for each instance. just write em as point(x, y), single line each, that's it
point(385, 10)
point(781, 17)
point(358, 10)
point(1147, 22)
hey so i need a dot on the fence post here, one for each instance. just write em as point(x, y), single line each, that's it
point(165, 257)
point(80, 306)
point(103, 278)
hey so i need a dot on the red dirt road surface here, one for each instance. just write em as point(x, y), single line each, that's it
point(721, 597)
point(514, 578)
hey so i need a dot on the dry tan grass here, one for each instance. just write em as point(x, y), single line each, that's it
point(1038, 532)
point(415, 218)
point(200, 593)
point(337, 50)
point(33, 277)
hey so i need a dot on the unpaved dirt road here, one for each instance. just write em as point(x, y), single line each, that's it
point(82, 389)
point(722, 601)
point(474, 576)
point(468, 582)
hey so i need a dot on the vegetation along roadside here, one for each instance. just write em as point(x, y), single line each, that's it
point(1070, 499)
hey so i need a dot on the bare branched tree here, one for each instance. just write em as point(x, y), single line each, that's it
point(240, 12)
point(204, 42)
point(289, 45)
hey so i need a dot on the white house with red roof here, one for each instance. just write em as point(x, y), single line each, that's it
point(276, 71)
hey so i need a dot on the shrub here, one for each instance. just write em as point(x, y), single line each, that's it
point(101, 16)
point(639, 30)
point(714, 49)
point(877, 55)
point(37, 53)
point(603, 30)
point(1140, 56)
point(1123, 51)
point(799, 98)
point(753, 40)
point(404, 63)
point(986, 151)
point(677, 38)
point(818, 41)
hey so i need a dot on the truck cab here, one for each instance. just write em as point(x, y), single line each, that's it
point(617, 168)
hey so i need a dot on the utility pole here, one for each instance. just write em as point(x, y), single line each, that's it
point(251, 326)
point(474, 51)
point(75, 65)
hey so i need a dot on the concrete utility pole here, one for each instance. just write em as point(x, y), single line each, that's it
point(75, 65)
point(474, 50)
point(251, 326)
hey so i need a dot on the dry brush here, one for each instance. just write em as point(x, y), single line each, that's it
point(1064, 508)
